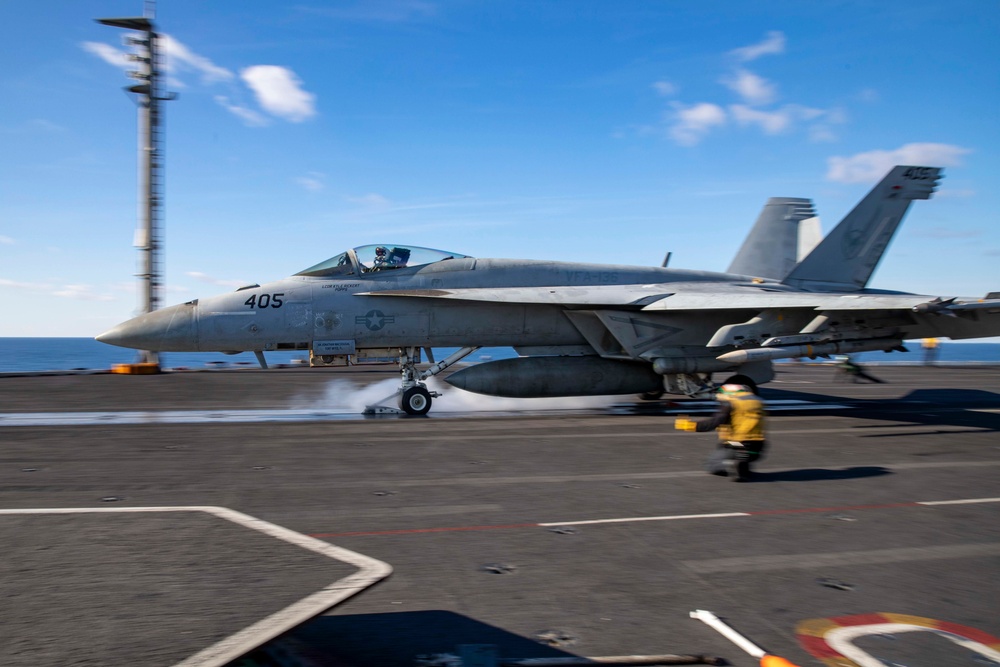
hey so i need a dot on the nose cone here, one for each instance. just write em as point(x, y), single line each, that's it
point(173, 329)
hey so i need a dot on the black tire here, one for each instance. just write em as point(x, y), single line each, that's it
point(415, 401)
point(743, 380)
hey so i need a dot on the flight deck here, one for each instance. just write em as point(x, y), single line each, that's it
point(164, 520)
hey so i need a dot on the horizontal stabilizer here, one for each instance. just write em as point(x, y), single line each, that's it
point(847, 257)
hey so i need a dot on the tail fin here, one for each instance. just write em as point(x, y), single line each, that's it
point(772, 248)
point(847, 257)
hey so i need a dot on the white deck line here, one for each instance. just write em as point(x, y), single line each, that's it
point(966, 501)
point(370, 571)
point(726, 515)
point(647, 518)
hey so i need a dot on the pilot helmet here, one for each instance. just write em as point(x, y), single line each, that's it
point(380, 251)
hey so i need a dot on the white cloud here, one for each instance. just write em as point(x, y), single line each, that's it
point(249, 117)
point(665, 88)
point(774, 43)
point(373, 201)
point(873, 165)
point(819, 134)
point(771, 122)
point(688, 125)
point(836, 115)
point(752, 88)
point(313, 181)
point(6, 240)
point(83, 292)
point(278, 91)
point(777, 121)
point(822, 130)
point(691, 124)
point(108, 54)
point(180, 57)
point(6, 282)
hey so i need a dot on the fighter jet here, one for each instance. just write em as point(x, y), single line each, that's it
point(586, 329)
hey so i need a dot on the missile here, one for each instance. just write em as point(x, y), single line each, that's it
point(811, 351)
point(938, 306)
point(541, 377)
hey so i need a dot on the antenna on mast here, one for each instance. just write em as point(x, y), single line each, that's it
point(147, 95)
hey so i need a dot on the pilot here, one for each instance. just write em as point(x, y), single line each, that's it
point(380, 258)
point(740, 424)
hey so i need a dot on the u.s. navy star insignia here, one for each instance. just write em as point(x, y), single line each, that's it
point(374, 320)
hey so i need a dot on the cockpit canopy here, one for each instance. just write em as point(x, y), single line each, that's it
point(378, 257)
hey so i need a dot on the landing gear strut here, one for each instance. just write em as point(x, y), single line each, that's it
point(414, 397)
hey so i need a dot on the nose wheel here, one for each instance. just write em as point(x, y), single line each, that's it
point(415, 400)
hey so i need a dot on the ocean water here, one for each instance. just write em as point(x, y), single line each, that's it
point(19, 355)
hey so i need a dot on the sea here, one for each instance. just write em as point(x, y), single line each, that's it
point(30, 355)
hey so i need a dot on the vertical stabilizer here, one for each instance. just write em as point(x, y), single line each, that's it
point(772, 247)
point(847, 257)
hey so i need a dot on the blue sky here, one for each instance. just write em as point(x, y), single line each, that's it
point(581, 130)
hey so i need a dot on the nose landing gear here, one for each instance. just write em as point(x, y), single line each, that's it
point(414, 397)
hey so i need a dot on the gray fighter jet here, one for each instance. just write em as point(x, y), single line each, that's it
point(588, 329)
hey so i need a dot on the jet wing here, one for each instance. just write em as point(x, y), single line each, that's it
point(761, 300)
point(731, 300)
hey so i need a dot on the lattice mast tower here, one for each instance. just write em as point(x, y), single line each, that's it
point(147, 95)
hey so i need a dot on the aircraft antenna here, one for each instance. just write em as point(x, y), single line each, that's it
point(147, 96)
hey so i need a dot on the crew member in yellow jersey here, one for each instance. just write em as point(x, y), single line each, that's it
point(740, 422)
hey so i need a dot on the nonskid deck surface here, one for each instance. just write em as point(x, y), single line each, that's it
point(584, 531)
point(236, 416)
